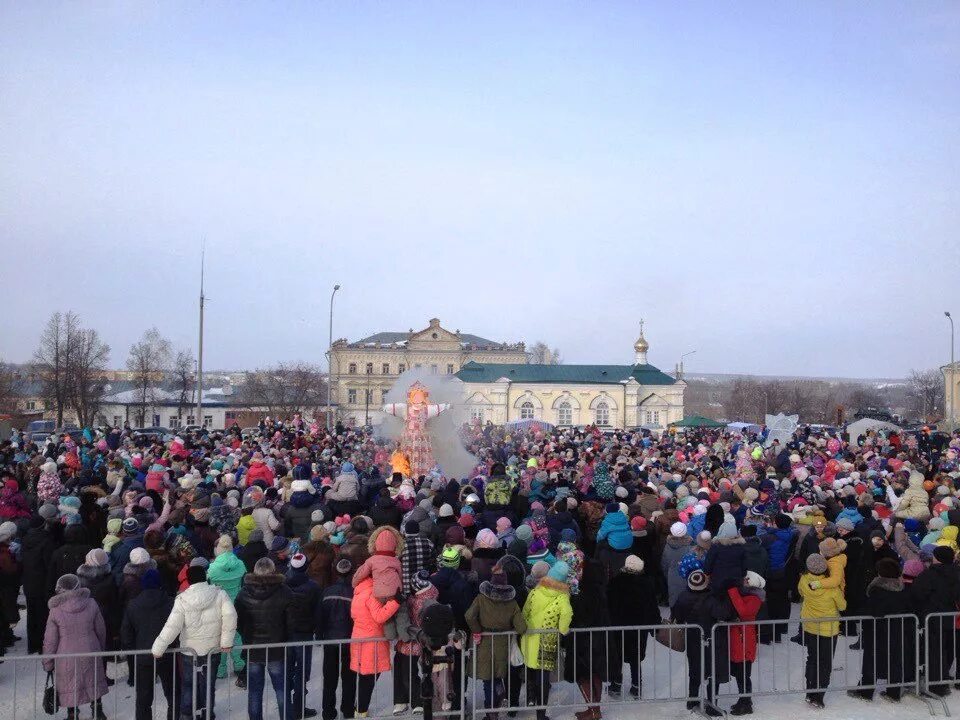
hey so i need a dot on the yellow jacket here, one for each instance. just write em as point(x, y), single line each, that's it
point(820, 603)
point(835, 578)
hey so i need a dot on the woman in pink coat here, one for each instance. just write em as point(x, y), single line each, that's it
point(371, 657)
point(75, 625)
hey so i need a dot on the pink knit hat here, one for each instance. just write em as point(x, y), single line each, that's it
point(504, 524)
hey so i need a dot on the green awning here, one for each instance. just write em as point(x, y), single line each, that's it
point(697, 421)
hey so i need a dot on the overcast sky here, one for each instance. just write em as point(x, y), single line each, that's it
point(776, 185)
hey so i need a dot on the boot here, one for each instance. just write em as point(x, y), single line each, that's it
point(743, 706)
point(98, 713)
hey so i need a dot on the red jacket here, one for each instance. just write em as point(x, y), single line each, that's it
point(743, 638)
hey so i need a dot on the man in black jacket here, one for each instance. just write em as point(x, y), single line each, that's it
point(305, 624)
point(143, 620)
point(36, 549)
point(937, 590)
point(264, 617)
point(337, 627)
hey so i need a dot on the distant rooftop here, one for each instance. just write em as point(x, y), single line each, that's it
point(564, 374)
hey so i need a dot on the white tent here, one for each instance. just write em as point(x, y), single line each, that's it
point(743, 427)
point(860, 428)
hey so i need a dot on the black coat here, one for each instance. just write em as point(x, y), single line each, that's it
point(251, 552)
point(143, 620)
point(590, 653)
point(305, 612)
point(336, 621)
point(557, 522)
point(889, 644)
point(633, 601)
point(871, 557)
point(706, 609)
point(853, 576)
point(936, 590)
point(726, 561)
point(755, 556)
point(385, 512)
point(264, 614)
point(68, 557)
point(36, 553)
point(298, 515)
point(456, 592)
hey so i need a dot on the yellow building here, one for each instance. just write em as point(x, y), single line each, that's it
point(364, 371)
point(614, 396)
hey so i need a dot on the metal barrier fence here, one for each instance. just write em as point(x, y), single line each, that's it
point(587, 657)
point(941, 637)
point(817, 651)
point(490, 678)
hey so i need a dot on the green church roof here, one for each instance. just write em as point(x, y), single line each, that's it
point(474, 372)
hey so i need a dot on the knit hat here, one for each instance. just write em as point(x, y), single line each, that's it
point(486, 539)
point(97, 558)
point(196, 574)
point(451, 556)
point(279, 543)
point(540, 569)
point(568, 535)
point(48, 511)
point(831, 547)
point(344, 566)
point(139, 556)
point(816, 564)
point(633, 564)
point(256, 535)
point(845, 524)
point(446, 510)
point(638, 526)
point(912, 568)
point(727, 531)
point(524, 533)
point(150, 580)
point(943, 555)
point(888, 568)
point(67, 582)
point(698, 581)
point(298, 561)
point(199, 561)
point(421, 581)
point(559, 571)
point(754, 580)
point(503, 524)
point(411, 528)
point(130, 525)
point(678, 529)
point(224, 545)
point(264, 566)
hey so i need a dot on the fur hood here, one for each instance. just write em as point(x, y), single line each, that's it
point(372, 540)
point(497, 593)
point(549, 582)
point(737, 540)
point(882, 583)
point(92, 573)
point(139, 570)
point(679, 542)
point(69, 597)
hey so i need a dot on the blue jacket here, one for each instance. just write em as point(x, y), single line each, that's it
point(778, 544)
point(851, 514)
point(336, 622)
point(615, 529)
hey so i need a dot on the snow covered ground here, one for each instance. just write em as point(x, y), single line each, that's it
point(779, 670)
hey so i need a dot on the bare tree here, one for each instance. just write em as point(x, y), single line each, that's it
point(286, 389)
point(86, 364)
point(149, 362)
point(926, 393)
point(9, 385)
point(182, 376)
point(541, 354)
point(51, 360)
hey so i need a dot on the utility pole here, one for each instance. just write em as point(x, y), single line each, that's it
point(203, 250)
point(953, 383)
point(330, 363)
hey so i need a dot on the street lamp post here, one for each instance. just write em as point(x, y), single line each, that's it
point(330, 362)
point(691, 352)
point(953, 384)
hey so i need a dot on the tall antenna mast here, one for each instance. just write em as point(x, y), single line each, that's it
point(203, 251)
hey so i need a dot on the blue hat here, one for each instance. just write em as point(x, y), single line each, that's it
point(559, 571)
point(911, 525)
point(279, 543)
point(150, 580)
point(568, 535)
point(347, 467)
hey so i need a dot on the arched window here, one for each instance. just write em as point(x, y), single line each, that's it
point(603, 414)
point(564, 414)
point(526, 411)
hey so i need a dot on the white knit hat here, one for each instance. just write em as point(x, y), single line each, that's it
point(678, 529)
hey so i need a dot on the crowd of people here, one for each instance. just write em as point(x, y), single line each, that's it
point(249, 552)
